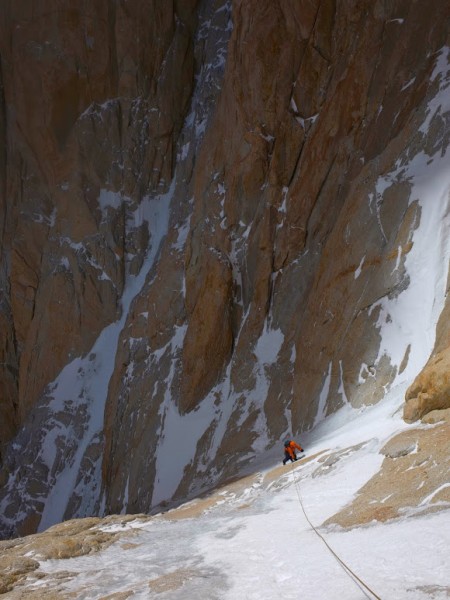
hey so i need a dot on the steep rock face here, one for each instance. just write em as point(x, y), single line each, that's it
point(93, 101)
point(272, 188)
point(222, 201)
point(90, 97)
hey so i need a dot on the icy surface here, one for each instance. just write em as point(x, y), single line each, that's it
point(256, 543)
point(409, 320)
point(88, 378)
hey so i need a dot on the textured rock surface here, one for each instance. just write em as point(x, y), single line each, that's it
point(102, 123)
point(413, 480)
point(200, 219)
point(436, 416)
point(67, 540)
point(431, 389)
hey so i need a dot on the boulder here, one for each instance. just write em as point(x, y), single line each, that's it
point(430, 390)
point(436, 416)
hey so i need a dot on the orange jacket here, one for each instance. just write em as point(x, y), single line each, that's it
point(291, 448)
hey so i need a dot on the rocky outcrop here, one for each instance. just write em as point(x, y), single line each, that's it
point(206, 225)
point(412, 479)
point(430, 390)
point(67, 540)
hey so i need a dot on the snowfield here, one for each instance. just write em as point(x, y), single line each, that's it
point(251, 540)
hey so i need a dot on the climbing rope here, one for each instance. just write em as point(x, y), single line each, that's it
point(357, 580)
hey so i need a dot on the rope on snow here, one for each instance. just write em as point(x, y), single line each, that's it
point(357, 580)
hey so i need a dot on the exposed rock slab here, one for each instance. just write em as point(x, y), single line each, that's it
point(431, 388)
point(413, 480)
point(20, 557)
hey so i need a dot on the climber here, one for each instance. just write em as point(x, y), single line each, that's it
point(289, 450)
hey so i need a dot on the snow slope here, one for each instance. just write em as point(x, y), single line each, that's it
point(251, 540)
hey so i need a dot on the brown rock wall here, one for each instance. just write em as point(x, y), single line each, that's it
point(209, 338)
point(281, 192)
point(269, 140)
point(431, 388)
point(152, 365)
point(83, 88)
